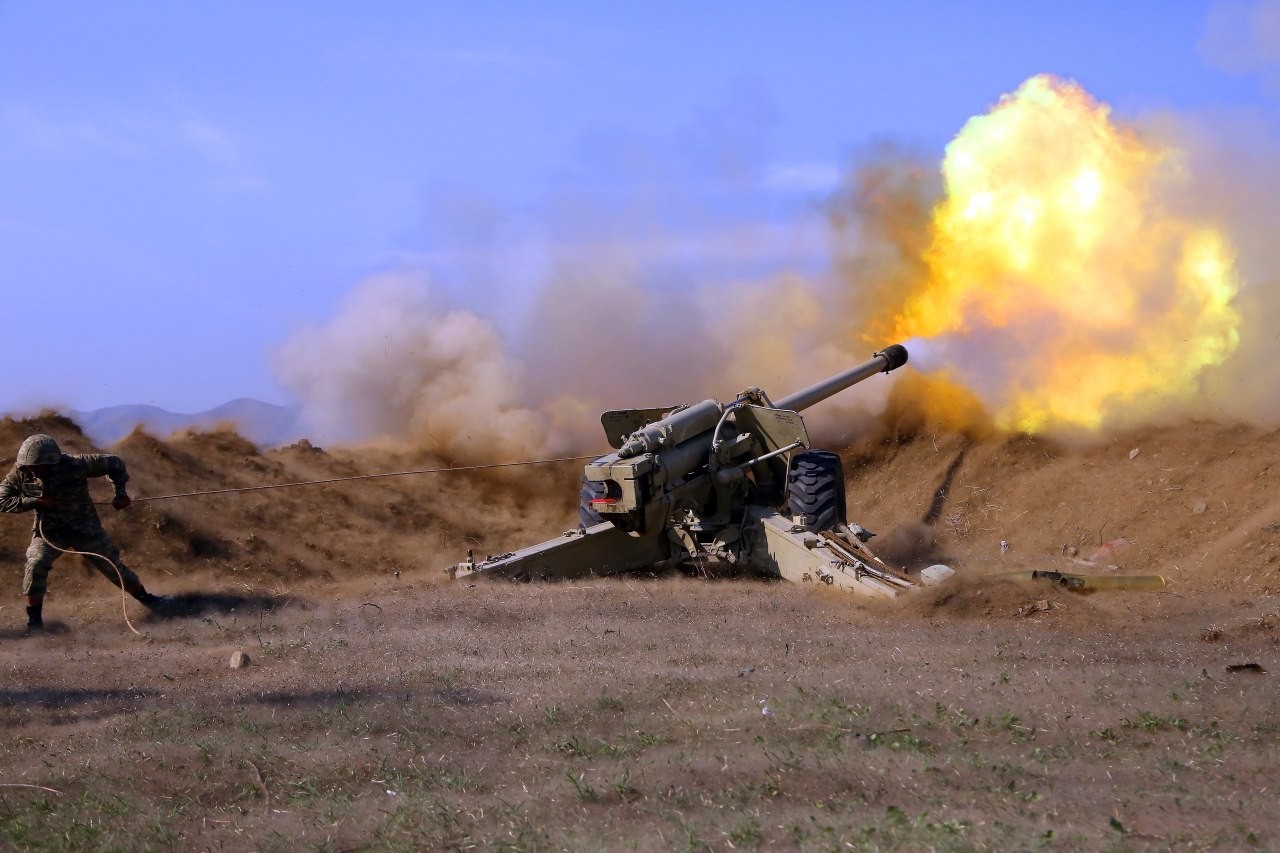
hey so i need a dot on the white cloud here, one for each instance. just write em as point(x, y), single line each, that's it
point(115, 138)
point(221, 150)
point(209, 140)
point(801, 177)
point(169, 131)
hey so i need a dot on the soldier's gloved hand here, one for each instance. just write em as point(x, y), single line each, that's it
point(121, 501)
point(46, 503)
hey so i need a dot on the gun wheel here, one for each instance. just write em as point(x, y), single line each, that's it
point(815, 487)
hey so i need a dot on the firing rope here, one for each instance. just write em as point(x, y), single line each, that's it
point(360, 477)
point(124, 599)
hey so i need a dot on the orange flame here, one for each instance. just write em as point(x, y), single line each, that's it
point(1059, 285)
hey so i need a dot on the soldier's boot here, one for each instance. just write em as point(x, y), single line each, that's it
point(35, 621)
point(147, 599)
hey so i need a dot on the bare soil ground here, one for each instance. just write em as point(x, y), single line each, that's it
point(387, 709)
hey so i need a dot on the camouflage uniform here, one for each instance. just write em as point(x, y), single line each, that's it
point(72, 523)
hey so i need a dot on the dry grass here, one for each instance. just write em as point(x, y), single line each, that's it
point(629, 715)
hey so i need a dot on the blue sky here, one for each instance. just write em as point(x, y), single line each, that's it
point(183, 185)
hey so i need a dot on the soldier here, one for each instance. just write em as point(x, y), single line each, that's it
point(56, 486)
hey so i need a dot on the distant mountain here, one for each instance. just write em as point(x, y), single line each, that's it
point(262, 423)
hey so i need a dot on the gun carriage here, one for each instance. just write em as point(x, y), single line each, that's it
point(716, 488)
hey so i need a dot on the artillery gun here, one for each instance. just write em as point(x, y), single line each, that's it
point(716, 487)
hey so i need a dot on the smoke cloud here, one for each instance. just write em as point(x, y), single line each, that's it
point(399, 364)
point(1243, 37)
point(1235, 159)
point(618, 325)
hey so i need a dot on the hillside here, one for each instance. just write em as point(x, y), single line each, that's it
point(1196, 503)
point(278, 537)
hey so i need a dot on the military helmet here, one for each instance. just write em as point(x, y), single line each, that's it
point(39, 450)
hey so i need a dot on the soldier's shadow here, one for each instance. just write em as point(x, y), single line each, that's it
point(188, 604)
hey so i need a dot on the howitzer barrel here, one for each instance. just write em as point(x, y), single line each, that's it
point(889, 358)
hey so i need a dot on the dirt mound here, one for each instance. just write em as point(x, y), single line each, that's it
point(1194, 502)
point(260, 539)
point(14, 430)
point(996, 598)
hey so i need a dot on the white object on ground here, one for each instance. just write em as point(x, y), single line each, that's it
point(936, 574)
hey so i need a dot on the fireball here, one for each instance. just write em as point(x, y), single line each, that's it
point(1059, 284)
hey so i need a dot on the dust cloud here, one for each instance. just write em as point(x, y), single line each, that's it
point(399, 364)
point(1235, 153)
point(1236, 158)
point(605, 342)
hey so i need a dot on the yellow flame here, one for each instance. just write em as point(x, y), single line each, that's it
point(1053, 250)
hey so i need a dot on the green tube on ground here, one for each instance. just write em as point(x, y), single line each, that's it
point(1099, 583)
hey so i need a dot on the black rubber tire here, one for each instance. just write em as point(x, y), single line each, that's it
point(815, 487)
point(587, 516)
